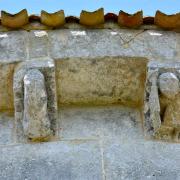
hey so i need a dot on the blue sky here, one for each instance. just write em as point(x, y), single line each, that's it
point(74, 7)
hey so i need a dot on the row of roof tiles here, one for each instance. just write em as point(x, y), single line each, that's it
point(90, 19)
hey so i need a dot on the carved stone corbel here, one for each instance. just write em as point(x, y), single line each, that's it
point(35, 100)
point(162, 102)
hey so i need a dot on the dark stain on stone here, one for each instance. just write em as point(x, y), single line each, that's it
point(93, 62)
point(110, 94)
point(73, 70)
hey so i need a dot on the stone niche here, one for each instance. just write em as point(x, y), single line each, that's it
point(162, 102)
point(35, 101)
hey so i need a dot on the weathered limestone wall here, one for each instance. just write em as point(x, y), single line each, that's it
point(101, 80)
point(154, 45)
point(92, 81)
point(6, 86)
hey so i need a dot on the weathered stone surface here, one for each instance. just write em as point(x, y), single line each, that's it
point(6, 129)
point(101, 80)
point(169, 85)
point(64, 160)
point(154, 45)
point(138, 159)
point(171, 116)
point(162, 107)
point(6, 86)
point(96, 143)
point(46, 67)
point(64, 43)
point(36, 122)
point(38, 44)
point(13, 46)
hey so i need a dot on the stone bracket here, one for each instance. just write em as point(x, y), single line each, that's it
point(45, 66)
point(162, 101)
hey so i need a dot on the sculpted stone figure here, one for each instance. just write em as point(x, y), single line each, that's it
point(170, 101)
point(35, 100)
point(36, 123)
point(162, 106)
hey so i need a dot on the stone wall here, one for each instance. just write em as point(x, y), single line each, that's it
point(105, 80)
point(94, 77)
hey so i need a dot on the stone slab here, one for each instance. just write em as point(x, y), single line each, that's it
point(99, 122)
point(119, 152)
point(6, 87)
point(79, 123)
point(126, 153)
point(108, 80)
point(140, 159)
point(13, 46)
point(38, 44)
point(152, 44)
point(6, 129)
point(155, 45)
point(72, 160)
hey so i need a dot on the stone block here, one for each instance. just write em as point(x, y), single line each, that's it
point(108, 80)
point(162, 101)
point(152, 44)
point(6, 129)
point(6, 86)
point(21, 101)
point(62, 160)
point(38, 44)
point(13, 46)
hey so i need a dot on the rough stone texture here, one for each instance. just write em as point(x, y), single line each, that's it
point(162, 101)
point(6, 87)
point(13, 46)
point(154, 45)
point(169, 85)
point(6, 128)
point(126, 154)
point(99, 122)
point(101, 80)
point(72, 160)
point(96, 143)
point(46, 67)
point(36, 124)
point(38, 44)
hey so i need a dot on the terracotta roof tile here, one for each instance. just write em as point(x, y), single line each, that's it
point(148, 20)
point(111, 17)
point(167, 21)
point(95, 19)
point(14, 21)
point(56, 19)
point(130, 20)
point(92, 18)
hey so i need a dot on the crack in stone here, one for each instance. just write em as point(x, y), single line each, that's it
point(135, 36)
